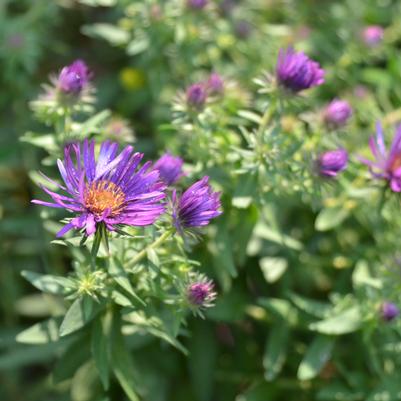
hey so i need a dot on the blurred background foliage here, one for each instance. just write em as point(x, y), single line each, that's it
point(299, 294)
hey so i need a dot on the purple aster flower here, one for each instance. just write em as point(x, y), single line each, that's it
point(197, 4)
point(196, 206)
point(215, 84)
point(296, 71)
point(170, 168)
point(196, 95)
point(387, 164)
point(74, 77)
point(337, 113)
point(330, 163)
point(389, 311)
point(111, 190)
point(372, 35)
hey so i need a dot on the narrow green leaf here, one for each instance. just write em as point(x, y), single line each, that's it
point(268, 233)
point(113, 34)
point(345, 322)
point(70, 361)
point(48, 283)
point(245, 191)
point(40, 333)
point(330, 218)
point(122, 364)
point(275, 351)
point(80, 313)
point(273, 268)
point(120, 276)
point(316, 357)
point(100, 349)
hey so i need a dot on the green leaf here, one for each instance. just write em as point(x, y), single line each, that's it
point(221, 249)
point(40, 333)
point(201, 363)
point(97, 3)
point(100, 348)
point(113, 34)
point(250, 116)
point(330, 218)
point(26, 355)
point(315, 358)
point(273, 268)
point(361, 277)
point(84, 383)
point(120, 276)
point(310, 306)
point(94, 123)
point(48, 283)
point(80, 313)
point(282, 309)
point(245, 191)
point(122, 364)
point(139, 45)
point(267, 233)
point(344, 322)
point(275, 350)
point(73, 357)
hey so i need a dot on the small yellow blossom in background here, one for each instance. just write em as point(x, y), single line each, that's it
point(132, 78)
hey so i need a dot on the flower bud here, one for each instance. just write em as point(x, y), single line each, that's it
point(330, 163)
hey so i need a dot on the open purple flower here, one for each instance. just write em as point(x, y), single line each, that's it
point(170, 168)
point(74, 77)
point(389, 311)
point(332, 162)
point(111, 190)
point(372, 35)
point(387, 164)
point(196, 206)
point(337, 113)
point(295, 71)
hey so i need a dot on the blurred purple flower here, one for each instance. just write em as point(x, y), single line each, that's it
point(197, 4)
point(74, 77)
point(296, 71)
point(332, 162)
point(215, 84)
point(170, 168)
point(361, 91)
point(386, 164)
point(389, 311)
point(227, 6)
point(372, 35)
point(196, 206)
point(110, 190)
point(242, 29)
point(196, 95)
point(337, 113)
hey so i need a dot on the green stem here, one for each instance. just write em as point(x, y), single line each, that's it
point(266, 118)
point(140, 255)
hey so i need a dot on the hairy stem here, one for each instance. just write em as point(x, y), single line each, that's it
point(140, 255)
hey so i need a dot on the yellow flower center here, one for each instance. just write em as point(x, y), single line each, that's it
point(102, 195)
